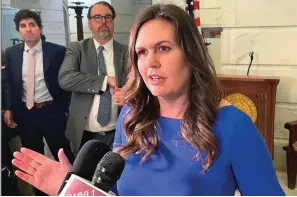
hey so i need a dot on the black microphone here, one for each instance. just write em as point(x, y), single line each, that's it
point(108, 171)
point(252, 57)
point(106, 175)
point(86, 161)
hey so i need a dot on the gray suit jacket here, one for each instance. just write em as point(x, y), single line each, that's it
point(79, 75)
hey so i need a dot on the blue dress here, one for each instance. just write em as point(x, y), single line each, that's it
point(243, 161)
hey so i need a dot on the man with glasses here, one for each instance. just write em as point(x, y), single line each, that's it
point(94, 71)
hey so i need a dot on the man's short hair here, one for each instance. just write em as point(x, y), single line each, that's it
point(102, 3)
point(26, 14)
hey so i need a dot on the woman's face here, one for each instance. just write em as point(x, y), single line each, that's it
point(161, 61)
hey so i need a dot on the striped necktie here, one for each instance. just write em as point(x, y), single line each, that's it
point(104, 110)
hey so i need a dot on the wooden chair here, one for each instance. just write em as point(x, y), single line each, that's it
point(291, 151)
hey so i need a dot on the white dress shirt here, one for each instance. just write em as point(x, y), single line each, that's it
point(41, 93)
point(92, 123)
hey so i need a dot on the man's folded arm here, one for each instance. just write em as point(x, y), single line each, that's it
point(72, 79)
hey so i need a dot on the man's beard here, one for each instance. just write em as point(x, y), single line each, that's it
point(103, 35)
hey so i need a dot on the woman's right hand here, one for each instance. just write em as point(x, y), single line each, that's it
point(43, 173)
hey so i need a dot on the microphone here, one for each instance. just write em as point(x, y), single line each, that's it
point(106, 175)
point(252, 57)
point(86, 161)
point(108, 171)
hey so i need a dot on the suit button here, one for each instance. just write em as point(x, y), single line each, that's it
point(93, 90)
point(85, 117)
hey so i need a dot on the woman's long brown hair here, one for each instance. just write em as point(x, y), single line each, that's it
point(141, 122)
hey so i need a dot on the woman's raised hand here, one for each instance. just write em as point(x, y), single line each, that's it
point(40, 171)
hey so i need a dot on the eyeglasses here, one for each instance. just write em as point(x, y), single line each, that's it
point(99, 18)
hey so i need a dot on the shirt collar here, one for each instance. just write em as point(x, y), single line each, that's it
point(107, 46)
point(37, 47)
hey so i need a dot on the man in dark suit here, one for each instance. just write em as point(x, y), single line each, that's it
point(8, 184)
point(94, 71)
point(34, 101)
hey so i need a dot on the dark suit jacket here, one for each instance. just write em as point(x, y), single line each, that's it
point(79, 74)
point(7, 133)
point(3, 78)
point(53, 56)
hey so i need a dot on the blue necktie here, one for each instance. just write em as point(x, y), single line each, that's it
point(104, 110)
